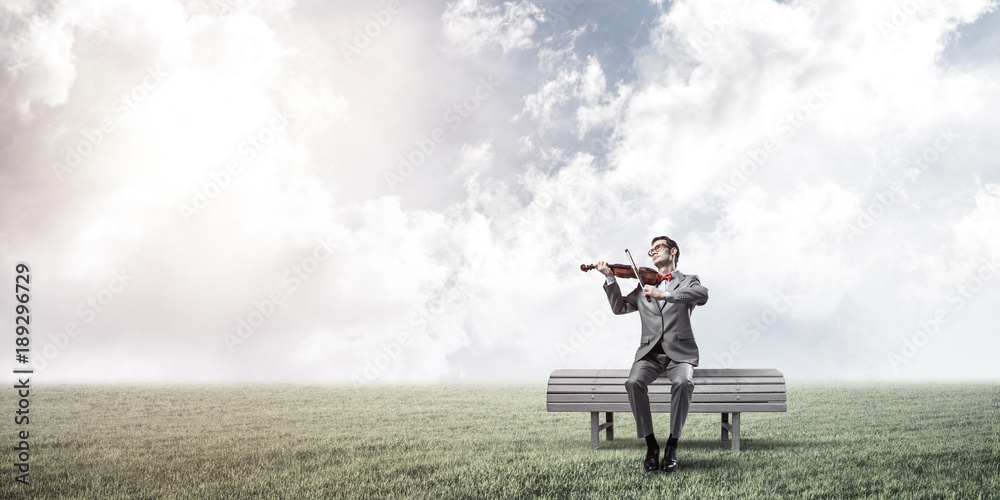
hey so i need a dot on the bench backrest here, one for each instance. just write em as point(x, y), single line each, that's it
point(716, 390)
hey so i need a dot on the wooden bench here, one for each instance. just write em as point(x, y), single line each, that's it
point(716, 390)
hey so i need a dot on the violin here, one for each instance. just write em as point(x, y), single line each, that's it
point(625, 271)
point(643, 274)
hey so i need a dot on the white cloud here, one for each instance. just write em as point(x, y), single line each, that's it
point(977, 234)
point(469, 26)
point(37, 60)
point(552, 95)
point(474, 159)
point(792, 242)
point(577, 87)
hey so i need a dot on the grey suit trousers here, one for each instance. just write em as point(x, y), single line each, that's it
point(644, 372)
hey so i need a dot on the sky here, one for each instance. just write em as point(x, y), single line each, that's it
point(403, 192)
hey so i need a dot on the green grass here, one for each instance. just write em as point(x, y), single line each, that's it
point(836, 441)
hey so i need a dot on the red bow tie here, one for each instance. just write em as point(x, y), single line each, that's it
point(661, 277)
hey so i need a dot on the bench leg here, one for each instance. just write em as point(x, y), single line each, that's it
point(736, 431)
point(610, 416)
point(725, 427)
point(596, 427)
point(595, 430)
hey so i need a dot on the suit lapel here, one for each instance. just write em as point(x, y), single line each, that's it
point(674, 283)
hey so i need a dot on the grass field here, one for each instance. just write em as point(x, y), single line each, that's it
point(836, 441)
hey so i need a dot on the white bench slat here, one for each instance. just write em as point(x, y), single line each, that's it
point(620, 388)
point(664, 380)
point(665, 407)
point(698, 372)
point(702, 397)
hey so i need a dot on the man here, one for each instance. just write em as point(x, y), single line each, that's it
point(667, 344)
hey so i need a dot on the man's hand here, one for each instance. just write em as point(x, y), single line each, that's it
point(604, 268)
point(652, 291)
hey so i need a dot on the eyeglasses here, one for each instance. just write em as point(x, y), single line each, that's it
point(657, 248)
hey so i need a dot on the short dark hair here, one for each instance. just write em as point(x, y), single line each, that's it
point(670, 244)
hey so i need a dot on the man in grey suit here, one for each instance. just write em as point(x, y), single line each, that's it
point(667, 344)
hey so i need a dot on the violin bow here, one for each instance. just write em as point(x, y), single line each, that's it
point(636, 271)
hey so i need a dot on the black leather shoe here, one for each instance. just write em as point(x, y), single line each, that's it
point(652, 461)
point(669, 459)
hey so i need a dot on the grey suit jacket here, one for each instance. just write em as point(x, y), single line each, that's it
point(671, 325)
